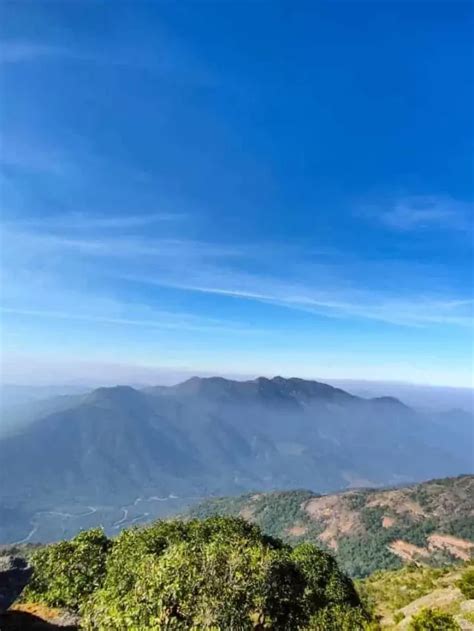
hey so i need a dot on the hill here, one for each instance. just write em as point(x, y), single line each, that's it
point(367, 530)
point(128, 455)
point(395, 597)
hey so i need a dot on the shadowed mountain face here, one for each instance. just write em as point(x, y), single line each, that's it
point(216, 436)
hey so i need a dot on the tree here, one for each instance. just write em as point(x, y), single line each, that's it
point(206, 586)
point(219, 573)
point(65, 574)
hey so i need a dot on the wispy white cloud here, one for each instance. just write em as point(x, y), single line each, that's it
point(166, 57)
point(25, 155)
point(416, 311)
point(86, 221)
point(160, 320)
point(170, 252)
point(233, 271)
point(17, 51)
point(424, 212)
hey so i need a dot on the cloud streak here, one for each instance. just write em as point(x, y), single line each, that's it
point(17, 51)
point(418, 312)
point(166, 57)
point(161, 320)
point(240, 272)
point(425, 212)
point(84, 221)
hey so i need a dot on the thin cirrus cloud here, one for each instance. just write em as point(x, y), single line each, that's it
point(160, 320)
point(424, 212)
point(84, 221)
point(221, 270)
point(165, 56)
point(17, 51)
point(330, 303)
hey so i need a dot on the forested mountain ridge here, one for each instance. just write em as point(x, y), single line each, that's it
point(113, 447)
point(367, 530)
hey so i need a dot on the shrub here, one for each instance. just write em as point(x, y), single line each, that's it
point(433, 620)
point(398, 616)
point(219, 573)
point(466, 583)
point(339, 618)
point(195, 585)
point(66, 573)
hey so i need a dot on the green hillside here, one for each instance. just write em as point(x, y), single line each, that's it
point(431, 523)
point(396, 597)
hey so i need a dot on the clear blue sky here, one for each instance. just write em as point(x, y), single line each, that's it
point(237, 187)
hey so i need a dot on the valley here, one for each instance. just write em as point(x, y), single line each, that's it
point(120, 456)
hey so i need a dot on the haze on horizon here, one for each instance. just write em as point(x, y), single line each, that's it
point(196, 188)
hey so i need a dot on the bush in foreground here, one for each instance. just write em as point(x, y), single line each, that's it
point(219, 573)
point(67, 573)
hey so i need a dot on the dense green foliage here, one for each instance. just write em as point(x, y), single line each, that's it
point(432, 620)
point(217, 573)
point(65, 574)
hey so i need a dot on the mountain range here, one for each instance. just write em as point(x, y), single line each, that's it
point(116, 446)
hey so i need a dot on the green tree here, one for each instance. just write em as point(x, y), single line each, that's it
point(433, 620)
point(66, 573)
point(325, 583)
point(204, 586)
point(218, 573)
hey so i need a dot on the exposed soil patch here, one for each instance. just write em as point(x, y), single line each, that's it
point(297, 530)
point(34, 617)
point(459, 548)
point(408, 551)
point(335, 514)
point(398, 503)
point(247, 513)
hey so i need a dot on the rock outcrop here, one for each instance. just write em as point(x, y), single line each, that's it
point(14, 575)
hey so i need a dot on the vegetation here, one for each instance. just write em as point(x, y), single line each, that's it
point(377, 517)
point(433, 620)
point(218, 573)
point(466, 583)
point(67, 573)
point(405, 594)
point(397, 589)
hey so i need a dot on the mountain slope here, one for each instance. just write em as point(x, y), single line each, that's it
point(432, 522)
point(396, 596)
point(115, 446)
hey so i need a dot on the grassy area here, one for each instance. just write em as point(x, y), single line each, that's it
point(395, 596)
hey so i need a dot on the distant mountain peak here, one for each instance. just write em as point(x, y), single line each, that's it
point(278, 386)
point(112, 392)
point(390, 401)
point(122, 396)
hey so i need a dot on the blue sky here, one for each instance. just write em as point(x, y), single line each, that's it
point(239, 188)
